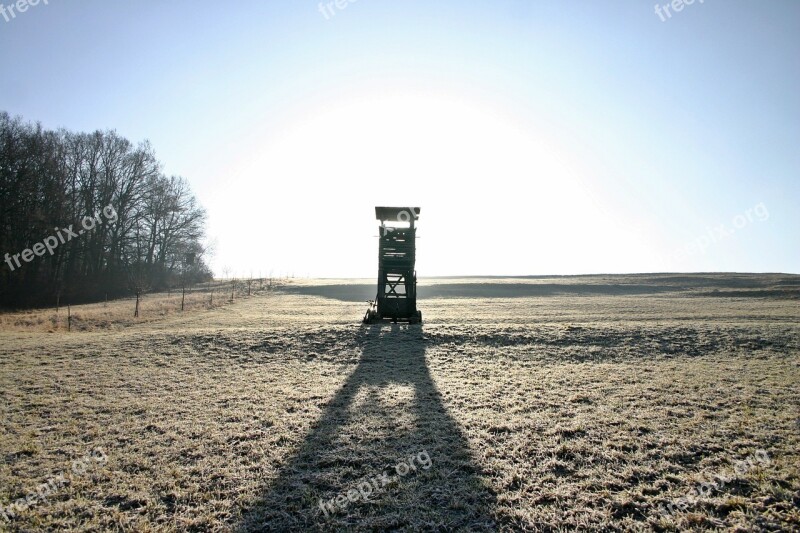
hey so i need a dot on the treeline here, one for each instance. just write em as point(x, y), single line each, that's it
point(89, 215)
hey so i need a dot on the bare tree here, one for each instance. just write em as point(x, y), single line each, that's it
point(50, 180)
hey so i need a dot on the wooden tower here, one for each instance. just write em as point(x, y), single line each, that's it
point(397, 275)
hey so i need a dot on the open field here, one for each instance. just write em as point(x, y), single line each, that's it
point(541, 403)
point(119, 313)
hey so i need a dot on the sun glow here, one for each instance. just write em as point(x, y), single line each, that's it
point(308, 193)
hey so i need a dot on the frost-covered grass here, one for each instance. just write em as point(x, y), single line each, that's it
point(573, 408)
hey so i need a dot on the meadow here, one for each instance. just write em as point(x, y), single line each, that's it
point(622, 403)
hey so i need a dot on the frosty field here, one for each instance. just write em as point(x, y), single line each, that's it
point(542, 404)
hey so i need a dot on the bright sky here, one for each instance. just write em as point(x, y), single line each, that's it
point(542, 137)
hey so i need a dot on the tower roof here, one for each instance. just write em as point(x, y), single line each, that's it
point(397, 214)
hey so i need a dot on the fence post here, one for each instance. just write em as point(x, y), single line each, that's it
point(183, 296)
point(69, 318)
point(136, 311)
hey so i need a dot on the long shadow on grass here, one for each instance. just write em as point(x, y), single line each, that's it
point(387, 411)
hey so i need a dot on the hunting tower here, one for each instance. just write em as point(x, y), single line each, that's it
point(397, 277)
